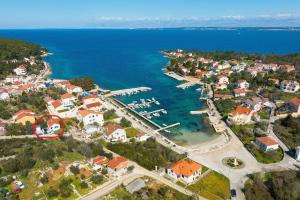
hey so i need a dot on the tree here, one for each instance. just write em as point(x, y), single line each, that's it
point(125, 123)
point(51, 192)
point(104, 171)
point(85, 150)
point(83, 184)
point(46, 154)
point(75, 169)
point(97, 179)
point(86, 83)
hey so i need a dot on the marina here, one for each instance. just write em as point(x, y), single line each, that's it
point(130, 91)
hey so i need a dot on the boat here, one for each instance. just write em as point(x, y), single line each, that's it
point(149, 116)
point(157, 103)
point(164, 111)
point(165, 125)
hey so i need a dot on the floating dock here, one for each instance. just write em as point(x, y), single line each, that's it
point(129, 91)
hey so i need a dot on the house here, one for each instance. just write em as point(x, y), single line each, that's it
point(297, 155)
point(219, 86)
point(239, 92)
point(238, 68)
point(73, 89)
point(287, 67)
point(57, 105)
point(273, 80)
point(99, 162)
point(294, 105)
point(4, 96)
point(135, 185)
point(223, 80)
point(68, 99)
point(53, 126)
point(141, 136)
point(266, 143)
point(270, 67)
point(254, 103)
point(26, 87)
point(13, 79)
point(90, 117)
point(97, 106)
point(243, 84)
point(24, 116)
point(222, 96)
point(114, 133)
point(240, 115)
point(21, 70)
point(90, 99)
point(118, 165)
point(185, 170)
point(289, 86)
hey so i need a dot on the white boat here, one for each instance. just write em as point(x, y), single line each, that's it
point(157, 103)
point(149, 116)
point(164, 111)
point(165, 125)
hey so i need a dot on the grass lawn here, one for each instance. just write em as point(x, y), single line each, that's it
point(214, 186)
point(264, 114)
point(267, 157)
point(131, 132)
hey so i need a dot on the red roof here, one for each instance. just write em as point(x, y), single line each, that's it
point(186, 167)
point(52, 122)
point(67, 96)
point(92, 105)
point(99, 160)
point(116, 161)
point(268, 141)
point(56, 103)
point(22, 111)
point(87, 112)
point(110, 128)
point(240, 110)
point(20, 116)
point(295, 101)
point(239, 90)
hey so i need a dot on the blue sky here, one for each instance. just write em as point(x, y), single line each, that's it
point(150, 13)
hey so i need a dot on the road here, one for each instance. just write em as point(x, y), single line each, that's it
point(138, 171)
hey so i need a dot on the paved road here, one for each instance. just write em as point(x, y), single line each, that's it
point(138, 172)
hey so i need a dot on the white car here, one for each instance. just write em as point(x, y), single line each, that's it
point(20, 184)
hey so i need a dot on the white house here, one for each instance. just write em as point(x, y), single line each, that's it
point(90, 117)
point(239, 92)
point(57, 105)
point(240, 115)
point(297, 155)
point(114, 133)
point(254, 103)
point(266, 143)
point(243, 84)
point(4, 96)
point(73, 89)
point(185, 170)
point(53, 125)
point(117, 166)
point(141, 136)
point(223, 80)
point(21, 70)
point(68, 99)
point(289, 86)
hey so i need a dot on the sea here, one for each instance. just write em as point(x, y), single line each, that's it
point(126, 58)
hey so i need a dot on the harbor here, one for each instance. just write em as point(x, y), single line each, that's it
point(130, 91)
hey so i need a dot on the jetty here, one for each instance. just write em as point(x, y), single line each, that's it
point(167, 127)
point(186, 85)
point(149, 113)
point(175, 76)
point(199, 112)
point(129, 91)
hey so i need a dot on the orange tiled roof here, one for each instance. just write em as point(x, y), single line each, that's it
point(22, 111)
point(110, 128)
point(185, 167)
point(116, 161)
point(99, 160)
point(51, 122)
point(295, 101)
point(56, 103)
point(268, 141)
point(67, 96)
point(92, 105)
point(20, 116)
point(240, 110)
point(239, 90)
point(87, 112)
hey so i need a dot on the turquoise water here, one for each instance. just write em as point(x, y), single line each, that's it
point(118, 59)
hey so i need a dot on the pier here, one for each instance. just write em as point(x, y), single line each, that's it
point(175, 76)
point(128, 91)
point(149, 113)
point(199, 112)
point(167, 127)
point(186, 85)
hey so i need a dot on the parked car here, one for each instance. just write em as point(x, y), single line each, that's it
point(4, 192)
point(233, 193)
point(20, 184)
